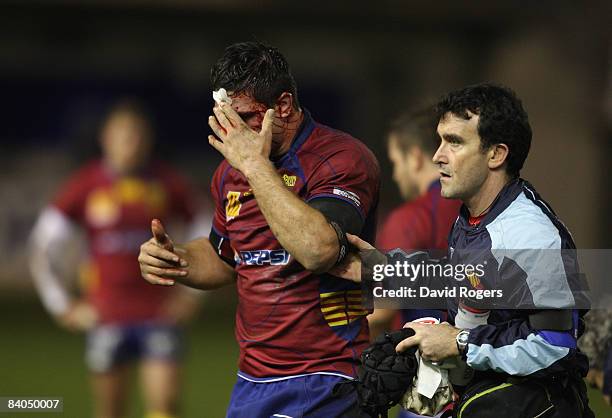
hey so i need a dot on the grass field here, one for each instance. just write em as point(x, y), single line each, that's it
point(38, 359)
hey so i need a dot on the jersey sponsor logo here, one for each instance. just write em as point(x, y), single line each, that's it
point(261, 257)
point(120, 241)
point(104, 204)
point(289, 180)
point(89, 276)
point(102, 209)
point(232, 209)
point(348, 195)
point(342, 308)
point(132, 190)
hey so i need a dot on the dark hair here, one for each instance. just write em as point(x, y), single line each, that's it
point(417, 128)
point(254, 68)
point(132, 107)
point(502, 119)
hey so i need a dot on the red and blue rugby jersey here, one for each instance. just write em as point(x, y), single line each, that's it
point(420, 224)
point(290, 321)
point(116, 213)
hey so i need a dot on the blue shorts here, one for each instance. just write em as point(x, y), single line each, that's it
point(111, 345)
point(296, 397)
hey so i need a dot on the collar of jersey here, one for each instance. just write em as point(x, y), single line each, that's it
point(506, 196)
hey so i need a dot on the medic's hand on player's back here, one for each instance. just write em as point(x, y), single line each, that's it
point(350, 268)
point(239, 144)
point(159, 262)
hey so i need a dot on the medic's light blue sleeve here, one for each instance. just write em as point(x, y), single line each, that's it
point(517, 349)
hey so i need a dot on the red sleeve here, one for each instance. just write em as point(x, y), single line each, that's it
point(218, 235)
point(404, 228)
point(349, 172)
point(183, 198)
point(71, 197)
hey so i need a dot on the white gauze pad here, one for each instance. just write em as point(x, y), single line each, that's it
point(221, 96)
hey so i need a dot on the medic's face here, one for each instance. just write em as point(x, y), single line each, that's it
point(462, 163)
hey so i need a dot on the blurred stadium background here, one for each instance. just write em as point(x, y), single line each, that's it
point(357, 65)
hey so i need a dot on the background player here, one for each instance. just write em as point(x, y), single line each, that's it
point(286, 193)
point(112, 199)
point(424, 221)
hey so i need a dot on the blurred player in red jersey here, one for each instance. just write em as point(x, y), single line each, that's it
point(286, 194)
point(424, 221)
point(113, 199)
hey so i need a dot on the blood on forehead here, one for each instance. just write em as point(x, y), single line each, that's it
point(250, 110)
point(246, 103)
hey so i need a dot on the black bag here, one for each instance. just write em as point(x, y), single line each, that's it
point(492, 397)
point(508, 397)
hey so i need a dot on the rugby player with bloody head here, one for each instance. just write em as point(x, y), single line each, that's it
point(286, 194)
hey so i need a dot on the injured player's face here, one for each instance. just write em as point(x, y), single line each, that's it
point(461, 161)
point(252, 113)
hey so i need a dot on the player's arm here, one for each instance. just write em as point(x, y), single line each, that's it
point(195, 263)
point(381, 320)
point(301, 229)
point(365, 258)
point(400, 230)
point(52, 229)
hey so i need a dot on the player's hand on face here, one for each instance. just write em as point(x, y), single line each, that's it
point(81, 316)
point(436, 342)
point(159, 262)
point(240, 145)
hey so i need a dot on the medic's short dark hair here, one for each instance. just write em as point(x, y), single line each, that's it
point(502, 119)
